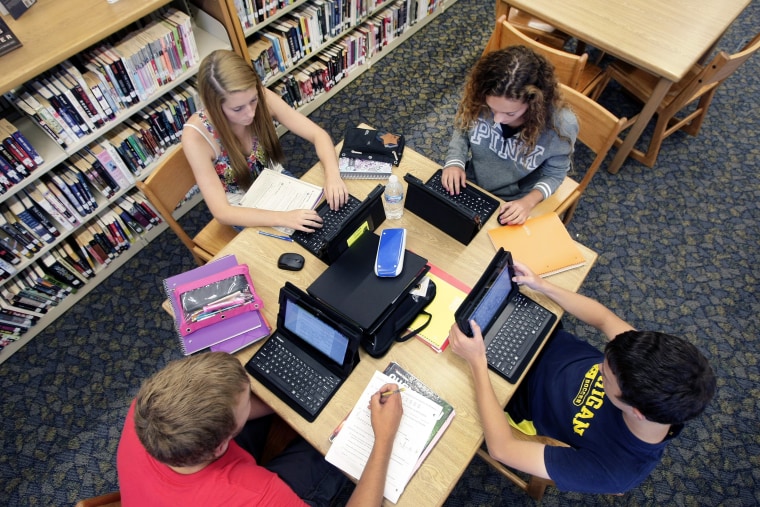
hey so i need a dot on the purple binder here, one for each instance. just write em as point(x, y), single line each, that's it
point(228, 335)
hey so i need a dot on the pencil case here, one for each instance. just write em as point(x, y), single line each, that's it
point(215, 298)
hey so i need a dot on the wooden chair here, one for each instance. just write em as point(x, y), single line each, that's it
point(598, 129)
point(165, 188)
point(534, 28)
point(700, 83)
point(534, 486)
point(107, 500)
point(571, 69)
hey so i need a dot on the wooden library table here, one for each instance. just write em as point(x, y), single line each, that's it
point(445, 373)
point(664, 38)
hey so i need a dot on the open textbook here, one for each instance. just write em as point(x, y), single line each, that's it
point(275, 191)
point(352, 445)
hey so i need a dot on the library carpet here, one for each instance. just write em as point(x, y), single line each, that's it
point(678, 252)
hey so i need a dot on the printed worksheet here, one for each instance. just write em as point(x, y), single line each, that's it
point(351, 447)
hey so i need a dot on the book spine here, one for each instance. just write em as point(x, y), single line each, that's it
point(101, 171)
point(80, 96)
point(57, 270)
point(55, 208)
point(130, 221)
point(69, 103)
point(30, 220)
point(66, 191)
point(22, 234)
point(39, 213)
point(19, 172)
point(118, 163)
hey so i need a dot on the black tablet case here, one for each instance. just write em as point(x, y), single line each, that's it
point(351, 286)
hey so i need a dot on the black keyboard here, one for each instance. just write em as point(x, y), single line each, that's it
point(298, 377)
point(331, 222)
point(513, 346)
point(467, 197)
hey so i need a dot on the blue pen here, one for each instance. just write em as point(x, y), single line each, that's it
point(284, 238)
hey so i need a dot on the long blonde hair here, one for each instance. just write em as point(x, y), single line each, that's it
point(224, 72)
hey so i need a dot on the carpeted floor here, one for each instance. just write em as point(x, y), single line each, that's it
point(678, 249)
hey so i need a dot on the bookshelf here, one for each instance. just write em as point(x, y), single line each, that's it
point(243, 34)
point(51, 33)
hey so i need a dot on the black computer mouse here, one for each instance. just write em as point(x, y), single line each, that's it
point(290, 261)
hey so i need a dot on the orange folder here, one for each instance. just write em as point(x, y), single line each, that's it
point(542, 243)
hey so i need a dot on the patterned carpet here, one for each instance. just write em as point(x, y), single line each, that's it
point(678, 249)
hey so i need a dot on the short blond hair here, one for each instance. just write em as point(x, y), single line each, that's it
point(186, 410)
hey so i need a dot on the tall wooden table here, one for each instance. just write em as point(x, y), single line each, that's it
point(445, 373)
point(664, 38)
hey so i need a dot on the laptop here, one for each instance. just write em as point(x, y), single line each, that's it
point(341, 227)
point(513, 325)
point(309, 355)
point(460, 216)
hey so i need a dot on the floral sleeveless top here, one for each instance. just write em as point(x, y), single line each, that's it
point(257, 161)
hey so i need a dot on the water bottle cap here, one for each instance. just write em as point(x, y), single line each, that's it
point(392, 178)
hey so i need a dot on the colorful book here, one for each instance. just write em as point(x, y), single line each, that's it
point(356, 168)
point(542, 243)
point(449, 294)
point(244, 329)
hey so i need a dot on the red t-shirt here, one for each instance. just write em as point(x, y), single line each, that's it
point(233, 479)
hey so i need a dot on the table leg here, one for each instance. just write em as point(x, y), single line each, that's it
point(645, 115)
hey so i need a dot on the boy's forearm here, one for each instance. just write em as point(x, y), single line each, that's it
point(588, 310)
point(371, 487)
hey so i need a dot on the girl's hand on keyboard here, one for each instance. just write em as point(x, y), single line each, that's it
point(453, 179)
point(336, 192)
point(306, 220)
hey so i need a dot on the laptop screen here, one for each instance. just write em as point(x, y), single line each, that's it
point(493, 300)
point(314, 331)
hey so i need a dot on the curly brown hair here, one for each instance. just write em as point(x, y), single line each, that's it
point(515, 73)
point(224, 72)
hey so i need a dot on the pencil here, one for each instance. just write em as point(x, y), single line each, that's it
point(389, 393)
point(284, 238)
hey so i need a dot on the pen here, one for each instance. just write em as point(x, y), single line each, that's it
point(390, 393)
point(284, 238)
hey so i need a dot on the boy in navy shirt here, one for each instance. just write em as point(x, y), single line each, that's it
point(616, 410)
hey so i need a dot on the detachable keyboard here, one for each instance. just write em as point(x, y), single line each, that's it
point(304, 380)
point(332, 221)
point(467, 197)
point(514, 345)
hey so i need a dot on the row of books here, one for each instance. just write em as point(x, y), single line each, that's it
point(339, 59)
point(17, 156)
point(80, 96)
point(252, 12)
point(37, 218)
point(281, 45)
point(64, 269)
point(121, 154)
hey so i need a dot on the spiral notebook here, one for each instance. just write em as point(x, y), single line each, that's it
point(228, 335)
point(359, 169)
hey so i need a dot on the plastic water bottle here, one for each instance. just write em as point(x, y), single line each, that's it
point(393, 198)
